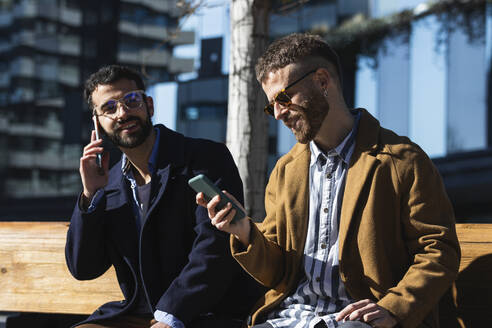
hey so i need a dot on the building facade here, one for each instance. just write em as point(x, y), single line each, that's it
point(202, 100)
point(434, 87)
point(47, 49)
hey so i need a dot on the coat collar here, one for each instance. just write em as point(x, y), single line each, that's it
point(171, 154)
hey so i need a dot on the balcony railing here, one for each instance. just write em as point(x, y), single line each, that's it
point(52, 131)
point(146, 57)
point(43, 160)
point(156, 32)
point(168, 7)
point(24, 9)
point(70, 16)
point(181, 65)
point(5, 19)
point(29, 188)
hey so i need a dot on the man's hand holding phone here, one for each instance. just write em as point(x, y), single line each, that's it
point(221, 219)
point(93, 176)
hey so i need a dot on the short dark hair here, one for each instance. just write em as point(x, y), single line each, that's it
point(107, 75)
point(296, 48)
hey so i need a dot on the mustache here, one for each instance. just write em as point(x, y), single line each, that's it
point(118, 124)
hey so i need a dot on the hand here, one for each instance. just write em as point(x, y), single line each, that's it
point(222, 219)
point(93, 178)
point(369, 312)
point(160, 325)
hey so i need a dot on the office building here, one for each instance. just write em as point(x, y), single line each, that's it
point(47, 49)
point(432, 84)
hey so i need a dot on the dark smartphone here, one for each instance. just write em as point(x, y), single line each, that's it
point(201, 183)
point(98, 137)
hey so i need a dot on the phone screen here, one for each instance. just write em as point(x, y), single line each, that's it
point(201, 183)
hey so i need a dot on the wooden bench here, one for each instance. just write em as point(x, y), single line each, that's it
point(34, 277)
point(468, 302)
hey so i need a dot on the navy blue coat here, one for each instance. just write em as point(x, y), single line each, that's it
point(186, 266)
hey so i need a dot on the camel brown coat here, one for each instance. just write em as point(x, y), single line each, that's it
point(398, 243)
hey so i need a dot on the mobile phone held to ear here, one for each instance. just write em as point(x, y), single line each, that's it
point(100, 169)
point(201, 183)
point(98, 136)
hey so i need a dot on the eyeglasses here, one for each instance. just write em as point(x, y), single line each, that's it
point(132, 100)
point(282, 98)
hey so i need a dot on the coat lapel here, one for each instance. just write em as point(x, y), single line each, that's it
point(115, 190)
point(361, 168)
point(171, 155)
point(159, 184)
point(121, 221)
point(297, 202)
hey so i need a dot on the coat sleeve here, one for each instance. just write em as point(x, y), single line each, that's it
point(85, 250)
point(430, 235)
point(263, 258)
point(210, 270)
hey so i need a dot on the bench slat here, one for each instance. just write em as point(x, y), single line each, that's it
point(34, 276)
point(471, 293)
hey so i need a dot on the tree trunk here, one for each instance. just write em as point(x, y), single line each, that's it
point(247, 125)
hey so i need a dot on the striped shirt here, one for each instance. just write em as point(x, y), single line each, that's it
point(320, 293)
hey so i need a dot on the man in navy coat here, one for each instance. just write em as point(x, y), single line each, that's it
point(174, 268)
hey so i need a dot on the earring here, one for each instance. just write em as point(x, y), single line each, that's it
point(325, 93)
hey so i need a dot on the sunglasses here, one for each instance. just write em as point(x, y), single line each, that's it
point(282, 98)
point(132, 100)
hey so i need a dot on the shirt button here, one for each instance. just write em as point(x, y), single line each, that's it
point(328, 175)
point(323, 245)
point(318, 279)
point(325, 210)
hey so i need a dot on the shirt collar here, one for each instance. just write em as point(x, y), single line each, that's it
point(126, 164)
point(342, 150)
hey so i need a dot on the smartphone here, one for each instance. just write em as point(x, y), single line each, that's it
point(98, 137)
point(201, 183)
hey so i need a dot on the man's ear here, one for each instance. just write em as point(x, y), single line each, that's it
point(323, 78)
point(150, 105)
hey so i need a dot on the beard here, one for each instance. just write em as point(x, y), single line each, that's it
point(308, 117)
point(132, 140)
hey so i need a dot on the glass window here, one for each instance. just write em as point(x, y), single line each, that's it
point(281, 25)
point(467, 108)
point(90, 17)
point(126, 13)
point(393, 92)
point(205, 112)
point(108, 11)
point(160, 20)
point(140, 14)
point(72, 4)
point(318, 17)
point(427, 115)
point(192, 113)
point(49, 89)
point(20, 143)
point(3, 98)
point(366, 86)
